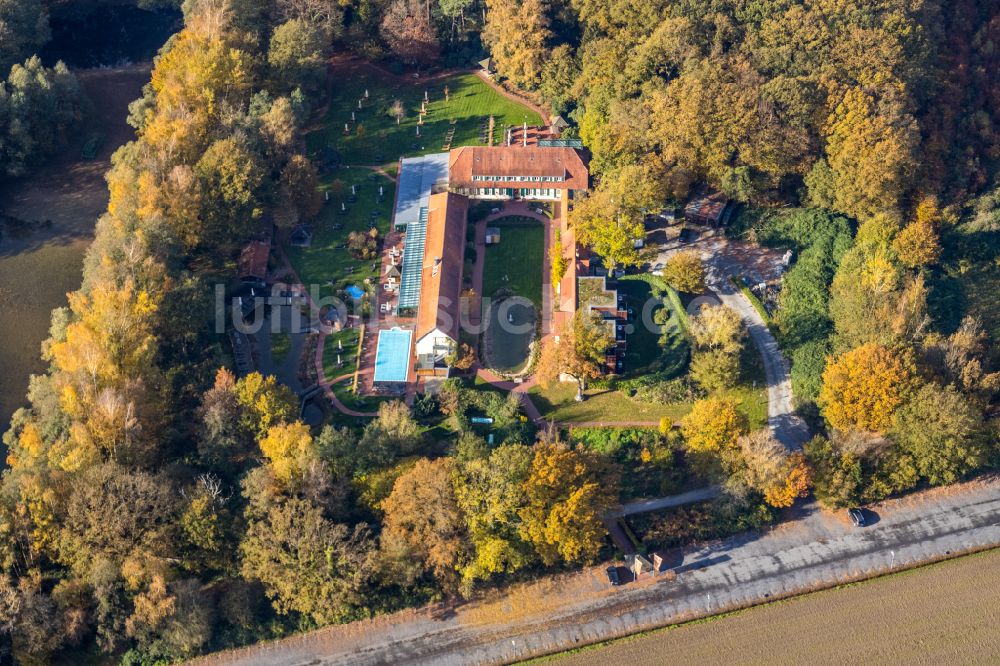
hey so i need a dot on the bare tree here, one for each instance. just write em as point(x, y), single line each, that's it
point(326, 14)
point(397, 111)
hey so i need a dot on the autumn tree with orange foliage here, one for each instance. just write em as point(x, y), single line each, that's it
point(797, 479)
point(863, 388)
point(423, 521)
point(568, 492)
point(761, 463)
point(579, 352)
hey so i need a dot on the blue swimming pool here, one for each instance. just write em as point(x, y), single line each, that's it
point(392, 356)
point(354, 291)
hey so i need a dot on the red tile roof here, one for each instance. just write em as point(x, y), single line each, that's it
point(518, 161)
point(444, 253)
point(253, 260)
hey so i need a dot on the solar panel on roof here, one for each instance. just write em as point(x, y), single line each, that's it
point(413, 260)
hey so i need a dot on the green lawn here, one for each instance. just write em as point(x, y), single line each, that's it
point(380, 140)
point(610, 406)
point(323, 262)
point(669, 348)
point(601, 405)
point(515, 263)
point(348, 339)
point(383, 142)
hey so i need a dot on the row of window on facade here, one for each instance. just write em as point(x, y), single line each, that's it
point(507, 179)
point(524, 192)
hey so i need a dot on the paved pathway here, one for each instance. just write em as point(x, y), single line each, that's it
point(327, 386)
point(724, 259)
point(817, 550)
point(660, 503)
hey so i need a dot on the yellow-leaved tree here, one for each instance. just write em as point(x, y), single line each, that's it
point(568, 492)
point(870, 145)
point(516, 32)
point(919, 242)
point(289, 449)
point(862, 388)
point(712, 424)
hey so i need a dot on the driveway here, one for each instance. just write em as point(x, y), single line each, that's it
point(723, 259)
point(559, 612)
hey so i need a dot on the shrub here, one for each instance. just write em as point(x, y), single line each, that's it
point(808, 362)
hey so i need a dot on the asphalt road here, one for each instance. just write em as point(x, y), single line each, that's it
point(787, 428)
point(815, 549)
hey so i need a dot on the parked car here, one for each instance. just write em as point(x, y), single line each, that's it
point(857, 516)
point(613, 576)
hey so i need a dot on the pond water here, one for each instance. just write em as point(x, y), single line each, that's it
point(312, 413)
point(106, 35)
point(509, 334)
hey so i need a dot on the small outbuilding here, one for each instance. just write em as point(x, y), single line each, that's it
point(301, 236)
point(492, 235)
point(709, 207)
point(558, 123)
point(252, 266)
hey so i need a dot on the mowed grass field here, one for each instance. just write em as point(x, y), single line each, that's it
point(325, 262)
point(946, 613)
point(374, 136)
point(606, 406)
point(515, 263)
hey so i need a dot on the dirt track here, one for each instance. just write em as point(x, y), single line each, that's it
point(942, 614)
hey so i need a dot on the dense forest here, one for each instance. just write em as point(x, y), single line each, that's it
point(156, 507)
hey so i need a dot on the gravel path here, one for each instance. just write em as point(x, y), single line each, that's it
point(786, 426)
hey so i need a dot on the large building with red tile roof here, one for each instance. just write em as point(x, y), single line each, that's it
point(433, 212)
point(441, 280)
point(517, 172)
